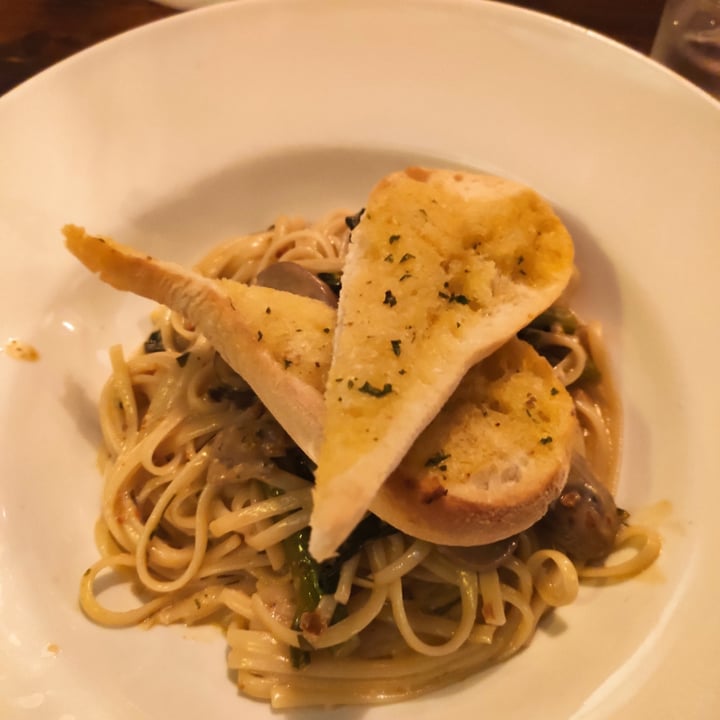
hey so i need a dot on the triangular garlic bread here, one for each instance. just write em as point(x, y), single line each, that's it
point(278, 342)
point(443, 268)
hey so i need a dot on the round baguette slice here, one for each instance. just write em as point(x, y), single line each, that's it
point(493, 459)
point(443, 269)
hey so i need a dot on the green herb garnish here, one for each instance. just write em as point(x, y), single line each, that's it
point(369, 389)
point(453, 298)
point(436, 459)
point(154, 342)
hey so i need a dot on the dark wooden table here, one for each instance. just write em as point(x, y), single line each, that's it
point(37, 33)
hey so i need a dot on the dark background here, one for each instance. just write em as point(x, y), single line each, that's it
point(37, 33)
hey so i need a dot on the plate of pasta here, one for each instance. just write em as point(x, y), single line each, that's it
point(383, 393)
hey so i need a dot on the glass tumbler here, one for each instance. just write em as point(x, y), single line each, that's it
point(688, 41)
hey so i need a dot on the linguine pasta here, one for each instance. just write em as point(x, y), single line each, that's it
point(206, 503)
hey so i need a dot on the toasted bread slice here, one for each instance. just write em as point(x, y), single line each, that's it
point(285, 354)
point(278, 342)
point(443, 268)
point(492, 460)
point(486, 467)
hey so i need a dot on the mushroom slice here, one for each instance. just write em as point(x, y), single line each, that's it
point(296, 279)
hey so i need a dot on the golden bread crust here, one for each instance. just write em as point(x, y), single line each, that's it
point(443, 268)
point(493, 459)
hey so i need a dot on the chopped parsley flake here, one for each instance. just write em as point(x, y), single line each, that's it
point(437, 459)
point(369, 389)
point(546, 440)
point(453, 298)
point(396, 346)
point(287, 363)
point(393, 239)
point(406, 257)
point(554, 391)
point(154, 342)
point(390, 299)
point(259, 335)
point(389, 258)
point(352, 221)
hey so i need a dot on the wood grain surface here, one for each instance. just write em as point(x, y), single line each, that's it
point(35, 34)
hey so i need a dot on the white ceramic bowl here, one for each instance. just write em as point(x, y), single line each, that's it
point(181, 133)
